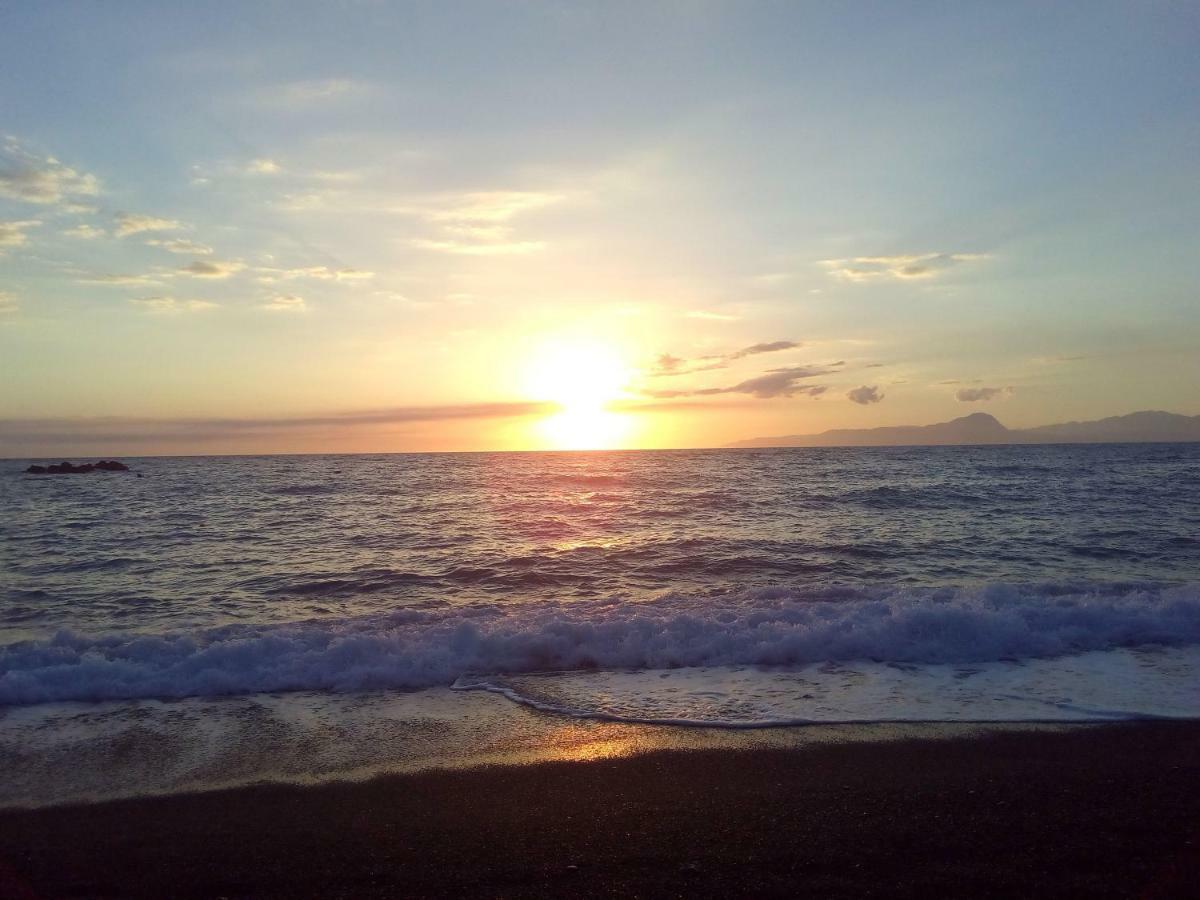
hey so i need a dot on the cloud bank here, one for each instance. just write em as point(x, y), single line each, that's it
point(23, 436)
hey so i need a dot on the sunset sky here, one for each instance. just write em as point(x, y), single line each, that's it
point(367, 226)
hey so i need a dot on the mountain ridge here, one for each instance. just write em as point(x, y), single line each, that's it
point(1143, 426)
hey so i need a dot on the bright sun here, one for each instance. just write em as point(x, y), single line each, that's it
point(583, 378)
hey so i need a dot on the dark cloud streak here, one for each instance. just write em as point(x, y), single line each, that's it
point(774, 383)
point(667, 364)
point(27, 432)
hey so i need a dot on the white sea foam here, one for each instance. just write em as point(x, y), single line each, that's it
point(1098, 686)
point(414, 648)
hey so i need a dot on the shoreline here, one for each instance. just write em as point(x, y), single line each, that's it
point(1098, 810)
point(71, 753)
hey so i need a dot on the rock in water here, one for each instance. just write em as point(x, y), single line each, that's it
point(65, 468)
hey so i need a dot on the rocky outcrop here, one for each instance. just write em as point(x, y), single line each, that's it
point(65, 468)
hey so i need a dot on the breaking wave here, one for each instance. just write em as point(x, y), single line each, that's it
point(430, 646)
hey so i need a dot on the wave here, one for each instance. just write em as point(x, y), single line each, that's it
point(1099, 686)
point(423, 647)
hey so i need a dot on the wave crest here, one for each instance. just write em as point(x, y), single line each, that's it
point(415, 648)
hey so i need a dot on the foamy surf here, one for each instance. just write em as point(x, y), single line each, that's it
point(782, 627)
point(1099, 686)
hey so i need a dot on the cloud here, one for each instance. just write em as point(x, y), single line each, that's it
point(8, 304)
point(43, 180)
point(136, 223)
point(982, 394)
point(172, 305)
point(85, 232)
point(136, 430)
point(263, 166)
point(904, 267)
point(117, 280)
point(778, 383)
point(285, 303)
point(493, 206)
point(181, 246)
point(318, 273)
point(712, 316)
point(478, 223)
point(666, 364)
point(514, 248)
point(771, 347)
point(12, 234)
point(309, 92)
point(772, 279)
point(865, 395)
point(203, 268)
point(774, 383)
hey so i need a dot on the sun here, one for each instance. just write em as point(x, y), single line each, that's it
point(583, 378)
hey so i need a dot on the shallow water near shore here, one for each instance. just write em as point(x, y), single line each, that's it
point(61, 753)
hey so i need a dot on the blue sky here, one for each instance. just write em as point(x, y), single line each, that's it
point(261, 215)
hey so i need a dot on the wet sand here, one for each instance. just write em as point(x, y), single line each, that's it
point(1088, 811)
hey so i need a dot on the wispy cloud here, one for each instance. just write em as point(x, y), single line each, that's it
point(12, 234)
point(666, 364)
point(711, 316)
point(903, 267)
point(983, 394)
point(479, 223)
point(267, 275)
point(136, 223)
point(285, 303)
point(307, 93)
point(172, 305)
point(85, 232)
point(181, 246)
point(118, 279)
point(492, 206)
point(32, 178)
point(481, 248)
point(133, 431)
point(8, 304)
point(768, 347)
point(779, 383)
point(216, 269)
point(865, 395)
point(263, 166)
point(774, 383)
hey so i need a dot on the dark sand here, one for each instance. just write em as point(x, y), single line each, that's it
point(1092, 811)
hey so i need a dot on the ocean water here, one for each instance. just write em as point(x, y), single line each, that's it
point(736, 588)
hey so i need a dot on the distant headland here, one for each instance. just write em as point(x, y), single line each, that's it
point(980, 428)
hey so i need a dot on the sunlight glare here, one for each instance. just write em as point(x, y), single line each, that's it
point(582, 378)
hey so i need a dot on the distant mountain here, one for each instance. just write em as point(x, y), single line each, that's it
point(1150, 425)
point(981, 428)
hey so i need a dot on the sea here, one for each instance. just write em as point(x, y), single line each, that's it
point(203, 621)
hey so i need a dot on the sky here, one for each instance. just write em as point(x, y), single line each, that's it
point(370, 227)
